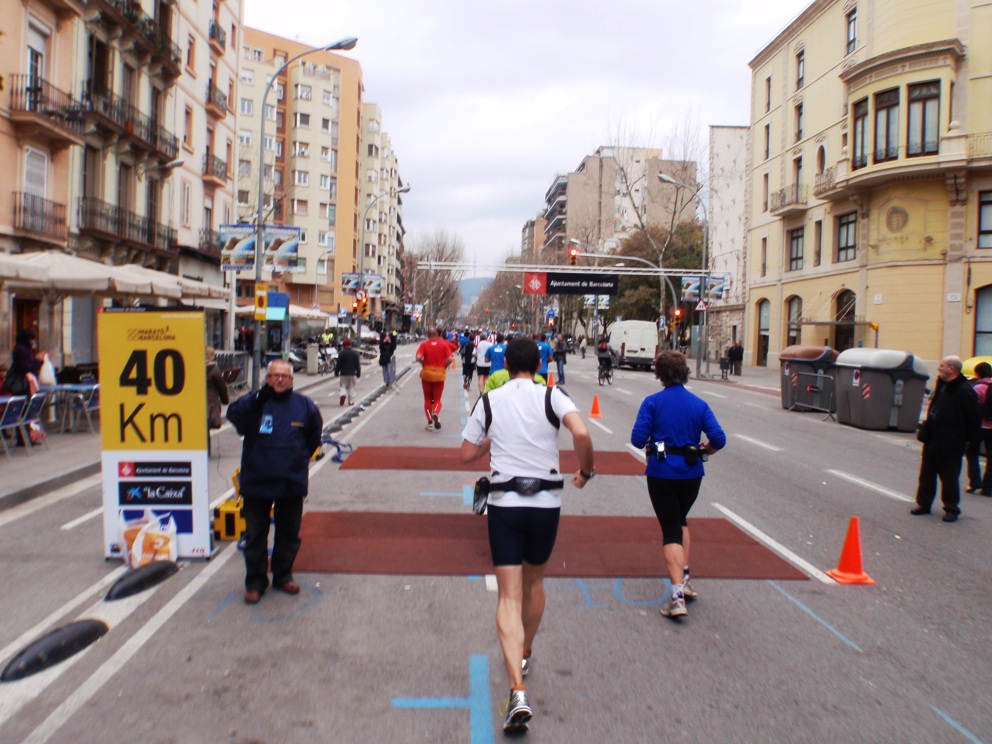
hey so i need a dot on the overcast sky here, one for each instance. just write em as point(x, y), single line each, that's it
point(485, 102)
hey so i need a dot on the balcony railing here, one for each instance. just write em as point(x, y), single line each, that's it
point(209, 240)
point(216, 99)
point(217, 35)
point(886, 152)
point(40, 216)
point(127, 117)
point(36, 95)
point(980, 145)
point(214, 167)
point(791, 196)
point(824, 181)
point(109, 220)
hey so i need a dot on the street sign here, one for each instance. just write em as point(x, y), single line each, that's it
point(701, 307)
point(361, 294)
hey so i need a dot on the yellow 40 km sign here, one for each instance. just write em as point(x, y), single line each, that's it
point(153, 413)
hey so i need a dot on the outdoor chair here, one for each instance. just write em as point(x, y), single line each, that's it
point(83, 403)
point(32, 415)
point(10, 418)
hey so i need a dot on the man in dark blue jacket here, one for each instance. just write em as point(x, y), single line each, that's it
point(281, 431)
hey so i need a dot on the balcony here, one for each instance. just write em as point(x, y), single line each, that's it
point(66, 8)
point(979, 146)
point(38, 218)
point(113, 117)
point(217, 37)
point(209, 241)
point(40, 109)
point(214, 171)
point(824, 182)
point(788, 201)
point(107, 223)
point(216, 103)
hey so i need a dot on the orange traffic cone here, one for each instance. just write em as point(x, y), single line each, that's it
point(595, 408)
point(551, 379)
point(849, 570)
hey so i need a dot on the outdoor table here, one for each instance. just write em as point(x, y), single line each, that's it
point(64, 396)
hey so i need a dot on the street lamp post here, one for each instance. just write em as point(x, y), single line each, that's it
point(348, 43)
point(704, 280)
point(595, 302)
point(316, 278)
point(361, 249)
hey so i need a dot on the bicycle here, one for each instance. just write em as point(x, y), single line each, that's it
point(605, 374)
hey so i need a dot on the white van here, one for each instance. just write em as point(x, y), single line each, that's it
point(636, 341)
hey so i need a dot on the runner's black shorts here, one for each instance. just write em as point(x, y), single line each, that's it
point(522, 533)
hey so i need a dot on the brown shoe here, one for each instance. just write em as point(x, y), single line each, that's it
point(290, 587)
point(252, 596)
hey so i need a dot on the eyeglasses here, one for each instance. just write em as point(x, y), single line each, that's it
point(275, 376)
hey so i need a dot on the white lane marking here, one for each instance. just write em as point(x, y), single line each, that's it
point(24, 691)
point(98, 679)
point(594, 422)
point(79, 520)
point(711, 394)
point(491, 585)
point(42, 502)
point(621, 390)
point(40, 628)
point(870, 486)
point(637, 453)
point(776, 547)
point(755, 405)
point(758, 443)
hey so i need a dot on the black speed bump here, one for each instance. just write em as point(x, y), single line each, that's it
point(53, 647)
point(141, 578)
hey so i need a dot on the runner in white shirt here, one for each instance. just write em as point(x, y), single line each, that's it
point(522, 441)
point(481, 363)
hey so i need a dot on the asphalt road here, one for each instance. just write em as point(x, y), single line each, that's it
point(416, 659)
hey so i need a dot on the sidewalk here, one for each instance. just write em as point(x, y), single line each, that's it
point(66, 458)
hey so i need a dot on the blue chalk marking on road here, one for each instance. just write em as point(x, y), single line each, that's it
point(583, 586)
point(464, 420)
point(957, 726)
point(478, 702)
point(816, 617)
point(453, 494)
point(468, 495)
point(666, 587)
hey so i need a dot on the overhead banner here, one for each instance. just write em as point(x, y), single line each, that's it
point(282, 248)
point(372, 285)
point(153, 414)
point(570, 283)
point(717, 285)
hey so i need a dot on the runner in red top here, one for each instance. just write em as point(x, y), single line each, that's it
point(434, 355)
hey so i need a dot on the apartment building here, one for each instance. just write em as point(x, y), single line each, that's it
point(532, 240)
point(105, 123)
point(312, 152)
point(870, 214)
point(727, 189)
point(382, 220)
point(602, 200)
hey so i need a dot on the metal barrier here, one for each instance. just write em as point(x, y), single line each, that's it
point(234, 365)
point(814, 392)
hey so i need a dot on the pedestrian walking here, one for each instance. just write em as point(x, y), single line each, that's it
point(349, 370)
point(387, 360)
point(434, 355)
point(217, 394)
point(978, 483)
point(952, 420)
point(669, 427)
point(561, 357)
point(517, 426)
point(281, 430)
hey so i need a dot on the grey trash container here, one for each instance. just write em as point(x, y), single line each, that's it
point(801, 393)
point(880, 389)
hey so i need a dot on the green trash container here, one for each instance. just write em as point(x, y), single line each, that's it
point(797, 363)
point(880, 389)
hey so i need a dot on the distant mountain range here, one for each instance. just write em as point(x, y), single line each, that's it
point(471, 289)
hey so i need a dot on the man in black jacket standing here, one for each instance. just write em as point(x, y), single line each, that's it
point(952, 420)
point(281, 430)
point(349, 369)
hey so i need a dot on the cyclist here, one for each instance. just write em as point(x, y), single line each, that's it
point(605, 354)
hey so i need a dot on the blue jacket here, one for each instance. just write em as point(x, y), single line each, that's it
point(678, 418)
point(276, 465)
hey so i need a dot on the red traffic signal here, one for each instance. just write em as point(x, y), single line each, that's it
point(573, 254)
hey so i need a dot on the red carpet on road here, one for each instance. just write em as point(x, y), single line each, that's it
point(457, 545)
point(447, 458)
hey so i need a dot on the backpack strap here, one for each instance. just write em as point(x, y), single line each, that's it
point(549, 411)
point(488, 409)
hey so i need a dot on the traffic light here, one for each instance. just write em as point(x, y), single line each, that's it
point(677, 317)
point(572, 255)
point(354, 306)
point(365, 307)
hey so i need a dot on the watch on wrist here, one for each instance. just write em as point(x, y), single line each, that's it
point(589, 475)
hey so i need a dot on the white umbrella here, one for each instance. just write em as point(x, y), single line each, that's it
point(67, 274)
point(13, 266)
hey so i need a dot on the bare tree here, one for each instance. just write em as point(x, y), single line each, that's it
point(438, 288)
